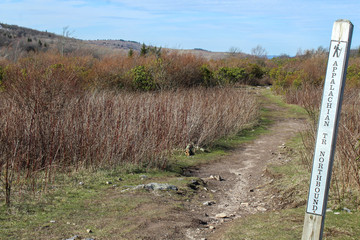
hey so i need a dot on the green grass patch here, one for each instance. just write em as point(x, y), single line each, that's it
point(288, 110)
point(84, 200)
point(283, 225)
point(288, 224)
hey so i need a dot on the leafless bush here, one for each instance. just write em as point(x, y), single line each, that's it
point(48, 126)
point(346, 170)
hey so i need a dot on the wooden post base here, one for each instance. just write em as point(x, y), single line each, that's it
point(312, 227)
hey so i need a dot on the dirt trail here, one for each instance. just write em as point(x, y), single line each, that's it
point(241, 191)
point(244, 176)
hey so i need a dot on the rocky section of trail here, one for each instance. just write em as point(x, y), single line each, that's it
point(240, 189)
point(234, 186)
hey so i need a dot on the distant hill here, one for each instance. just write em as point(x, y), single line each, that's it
point(15, 40)
point(12, 36)
point(119, 44)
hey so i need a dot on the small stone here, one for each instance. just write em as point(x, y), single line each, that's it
point(337, 213)
point(189, 150)
point(89, 230)
point(329, 210)
point(244, 204)
point(160, 186)
point(216, 177)
point(68, 223)
point(52, 221)
point(221, 215)
point(73, 238)
point(202, 222)
point(142, 177)
point(205, 189)
point(211, 227)
point(193, 184)
point(138, 187)
point(347, 210)
point(219, 178)
point(261, 209)
point(81, 183)
point(209, 203)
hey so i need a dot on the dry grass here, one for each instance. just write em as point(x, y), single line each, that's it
point(302, 84)
point(54, 119)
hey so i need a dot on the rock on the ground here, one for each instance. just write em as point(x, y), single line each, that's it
point(216, 177)
point(142, 177)
point(261, 209)
point(209, 203)
point(189, 150)
point(245, 204)
point(193, 184)
point(73, 238)
point(138, 186)
point(157, 186)
point(221, 215)
point(347, 210)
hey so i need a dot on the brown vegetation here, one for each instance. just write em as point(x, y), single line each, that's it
point(301, 81)
point(60, 113)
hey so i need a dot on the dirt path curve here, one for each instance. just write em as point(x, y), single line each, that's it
point(244, 176)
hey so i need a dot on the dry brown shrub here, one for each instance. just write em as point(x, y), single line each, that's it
point(48, 124)
point(60, 113)
point(309, 73)
point(346, 170)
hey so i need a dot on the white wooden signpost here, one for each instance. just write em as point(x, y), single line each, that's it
point(327, 130)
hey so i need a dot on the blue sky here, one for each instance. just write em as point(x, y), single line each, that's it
point(279, 26)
